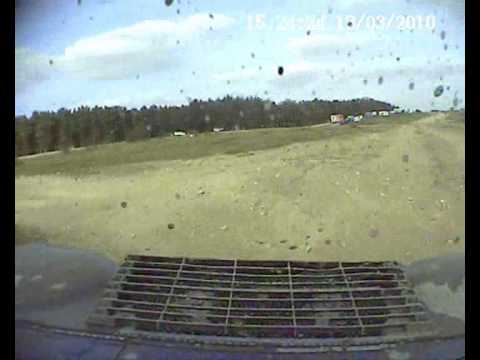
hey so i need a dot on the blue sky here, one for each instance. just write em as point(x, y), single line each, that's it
point(142, 52)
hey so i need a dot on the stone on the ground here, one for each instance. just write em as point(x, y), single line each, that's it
point(58, 286)
point(373, 232)
point(18, 279)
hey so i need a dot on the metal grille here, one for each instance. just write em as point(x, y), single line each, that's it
point(261, 299)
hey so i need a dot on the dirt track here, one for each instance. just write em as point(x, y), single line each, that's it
point(397, 195)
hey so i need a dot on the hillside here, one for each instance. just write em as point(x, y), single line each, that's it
point(389, 189)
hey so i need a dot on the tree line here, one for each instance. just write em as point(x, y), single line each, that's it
point(88, 126)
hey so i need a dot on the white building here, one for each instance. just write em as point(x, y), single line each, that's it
point(384, 113)
point(217, 130)
point(179, 133)
point(336, 118)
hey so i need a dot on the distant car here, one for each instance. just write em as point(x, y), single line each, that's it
point(337, 118)
point(348, 120)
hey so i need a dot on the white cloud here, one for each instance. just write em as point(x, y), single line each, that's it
point(136, 100)
point(326, 45)
point(244, 74)
point(145, 47)
point(350, 5)
point(455, 8)
point(295, 74)
point(30, 69)
point(305, 73)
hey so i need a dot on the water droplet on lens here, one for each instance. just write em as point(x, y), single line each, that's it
point(438, 91)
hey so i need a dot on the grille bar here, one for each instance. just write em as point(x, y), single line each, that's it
point(292, 300)
point(278, 272)
point(145, 293)
point(229, 307)
point(345, 289)
point(378, 278)
point(353, 301)
point(374, 308)
point(162, 315)
point(409, 314)
point(261, 299)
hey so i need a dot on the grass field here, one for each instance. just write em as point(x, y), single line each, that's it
point(389, 188)
point(111, 156)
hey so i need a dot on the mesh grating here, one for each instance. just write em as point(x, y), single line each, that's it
point(255, 299)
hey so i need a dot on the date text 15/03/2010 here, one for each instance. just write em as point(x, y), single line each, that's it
point(346, 22)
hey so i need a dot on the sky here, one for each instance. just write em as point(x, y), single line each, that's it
point(144, 52)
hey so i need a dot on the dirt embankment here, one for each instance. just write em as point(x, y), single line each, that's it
point(396, 194)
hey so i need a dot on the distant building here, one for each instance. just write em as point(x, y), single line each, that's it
point(358, 118)
point(384, 113)
point(337, 118)
point(374, 113)
point(179, 133)
point(216, 130)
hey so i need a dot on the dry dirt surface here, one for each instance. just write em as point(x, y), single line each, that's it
point(391, 195)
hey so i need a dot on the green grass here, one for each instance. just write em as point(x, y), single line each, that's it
point(329, 175)
point(91, 161)
point(456, 116)
point(26, 235)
